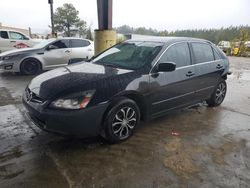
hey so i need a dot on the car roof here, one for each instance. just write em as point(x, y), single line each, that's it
point(12, 30)
point(72, 38)
point(167, 39)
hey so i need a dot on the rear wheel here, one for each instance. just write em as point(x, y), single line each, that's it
point(218, 95)
point(30, 67)
point(121, 121)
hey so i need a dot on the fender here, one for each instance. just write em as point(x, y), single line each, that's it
point(135, 96)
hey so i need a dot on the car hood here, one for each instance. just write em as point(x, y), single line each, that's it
point(72, 78)
point(18, 51)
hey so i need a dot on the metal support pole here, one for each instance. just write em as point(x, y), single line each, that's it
point(105, 36)
point(105, 14)
point(52, 17)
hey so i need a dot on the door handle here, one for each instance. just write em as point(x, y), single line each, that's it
point(67, 51)
point(190, 73)
point(219, 66)
point(12, 41)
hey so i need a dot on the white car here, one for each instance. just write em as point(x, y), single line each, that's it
point(47, 55)
point(10, 39)
point(224, 46)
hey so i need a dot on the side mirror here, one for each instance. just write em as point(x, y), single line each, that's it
point(26, 38)
point(166, 67)
point(51, 47)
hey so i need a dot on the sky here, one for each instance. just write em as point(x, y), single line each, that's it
point(158, 14)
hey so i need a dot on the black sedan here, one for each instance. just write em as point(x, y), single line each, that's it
point(132, 81)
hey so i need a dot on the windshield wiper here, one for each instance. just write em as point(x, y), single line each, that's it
point(117, 66)
point(91, 59)
point(110, 65)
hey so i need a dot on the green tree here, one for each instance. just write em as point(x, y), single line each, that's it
point(243, 38)
point(66, 20)
point(125, 29)
point(213, 35)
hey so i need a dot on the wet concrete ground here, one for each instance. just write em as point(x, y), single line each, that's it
point(211, 150)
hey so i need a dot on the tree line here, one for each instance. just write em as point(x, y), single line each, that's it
point(67, 21)
point(213, 35)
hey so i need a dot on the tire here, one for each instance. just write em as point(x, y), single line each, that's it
point(30, 67)
point(121, 121)
point(218, 95)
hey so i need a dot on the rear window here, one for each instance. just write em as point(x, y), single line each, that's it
point(4, 34)
point(202, 52)
point(79, 43)
point(216, 55)
point(61, 44)
point(178, 54)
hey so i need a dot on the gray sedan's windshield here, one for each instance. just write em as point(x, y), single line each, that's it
point(130, 55)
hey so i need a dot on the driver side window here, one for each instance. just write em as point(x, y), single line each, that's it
point(178, 53)
point(16, 36)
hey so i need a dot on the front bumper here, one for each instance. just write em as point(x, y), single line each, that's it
point(78, 123)
point(8, 66)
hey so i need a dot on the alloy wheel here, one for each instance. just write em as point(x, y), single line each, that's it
point(220, 93)
point(124, 121)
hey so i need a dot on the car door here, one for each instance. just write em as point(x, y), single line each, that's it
point(207, 68)
point(175, 89)
point(57, 54)
point(18, 40)
point(5, 44)
point(80, 49)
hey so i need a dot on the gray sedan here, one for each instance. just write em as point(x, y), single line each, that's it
point(46, 55)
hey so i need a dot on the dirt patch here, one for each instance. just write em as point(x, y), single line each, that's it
point(180, 159)
point(173, 145)
point(181, 164)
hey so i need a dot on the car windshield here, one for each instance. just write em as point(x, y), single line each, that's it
point(130, 55)
point(43, 43)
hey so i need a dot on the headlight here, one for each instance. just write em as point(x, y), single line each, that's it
point(75, 101)
point(8, 57)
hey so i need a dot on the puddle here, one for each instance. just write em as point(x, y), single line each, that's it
point(218, 153)
point(5, 97)
point(245, 76)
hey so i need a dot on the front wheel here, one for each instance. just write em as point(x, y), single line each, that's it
point(218, 95)
point(121, 121)
point(30, 67)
